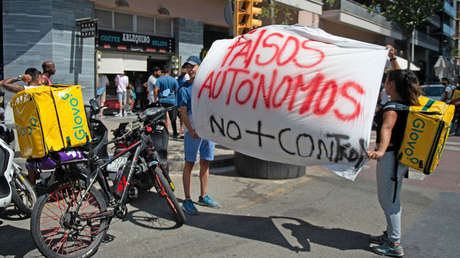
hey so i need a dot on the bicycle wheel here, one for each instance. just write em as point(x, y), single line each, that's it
point(23, 194)
point(58, 230)
point(166, 192)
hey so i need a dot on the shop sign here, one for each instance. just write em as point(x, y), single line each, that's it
point(87, 29)
point(125, 41)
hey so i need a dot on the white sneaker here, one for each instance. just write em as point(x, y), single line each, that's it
point(119, 115)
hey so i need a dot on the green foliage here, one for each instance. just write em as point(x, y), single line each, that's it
point(282, 14)
point(408, 14)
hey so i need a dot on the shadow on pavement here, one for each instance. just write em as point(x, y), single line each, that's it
point(153, 212)
point(264, 229)
point(15, 241)
point(338, 238)
point(12, 213)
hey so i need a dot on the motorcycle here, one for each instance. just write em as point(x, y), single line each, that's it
point(14, 187)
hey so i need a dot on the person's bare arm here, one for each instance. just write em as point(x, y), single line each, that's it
point(389, 121)
point(11, 85)
point(392, 56)
point(188, 125)
point(155, 93)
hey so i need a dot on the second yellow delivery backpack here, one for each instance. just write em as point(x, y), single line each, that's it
point(427, 129)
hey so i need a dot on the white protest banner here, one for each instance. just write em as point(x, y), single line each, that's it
point(290, 94)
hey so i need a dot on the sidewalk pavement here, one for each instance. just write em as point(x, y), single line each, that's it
point(223, 157)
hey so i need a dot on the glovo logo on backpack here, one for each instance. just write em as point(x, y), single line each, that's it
point(29, 129)
point(416, 130)
point(74, 125)
point(79, 132)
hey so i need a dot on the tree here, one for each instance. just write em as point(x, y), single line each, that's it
point(408, 14)
point(277, 13)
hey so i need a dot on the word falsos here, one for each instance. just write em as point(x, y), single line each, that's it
point(239, 80)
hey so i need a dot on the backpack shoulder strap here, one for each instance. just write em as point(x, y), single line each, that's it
point(395, 106)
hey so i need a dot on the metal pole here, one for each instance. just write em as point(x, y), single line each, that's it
point(412, 49)
point(95, 58)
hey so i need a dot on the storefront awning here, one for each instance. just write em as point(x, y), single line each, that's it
point(117, 63)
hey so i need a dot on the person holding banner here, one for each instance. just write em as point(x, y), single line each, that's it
point(193, 143)
point(403, 88)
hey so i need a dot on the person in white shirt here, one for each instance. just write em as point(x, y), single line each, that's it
point(448, 90)
point(151, 84)
point(121, 82)
point(31, 78)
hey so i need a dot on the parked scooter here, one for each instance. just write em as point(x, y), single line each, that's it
point(14, 187)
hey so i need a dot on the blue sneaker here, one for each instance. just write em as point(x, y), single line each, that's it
point(388, 249)
point(189, 207)
point(207, 201)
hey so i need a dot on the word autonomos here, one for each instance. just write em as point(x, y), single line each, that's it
point(241, 82)
point(335, 148)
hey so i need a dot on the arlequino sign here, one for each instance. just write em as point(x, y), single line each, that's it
point(290, 94)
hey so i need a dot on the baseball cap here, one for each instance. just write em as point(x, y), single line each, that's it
point(193, 60)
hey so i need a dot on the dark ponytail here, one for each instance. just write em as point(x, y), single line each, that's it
point(407, 86)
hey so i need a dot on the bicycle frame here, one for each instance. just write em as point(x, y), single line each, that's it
point(135, 148)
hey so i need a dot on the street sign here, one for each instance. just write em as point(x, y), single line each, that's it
point(87, 29)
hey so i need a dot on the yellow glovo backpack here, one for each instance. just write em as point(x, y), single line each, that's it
point(426, 132)
point(49, 118)
point(455, 94)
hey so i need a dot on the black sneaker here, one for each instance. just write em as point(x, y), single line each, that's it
point(379, 239)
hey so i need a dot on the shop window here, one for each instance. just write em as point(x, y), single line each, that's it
point(163, 26)
point(104, 19)
point(123, 22)
point(145, 25)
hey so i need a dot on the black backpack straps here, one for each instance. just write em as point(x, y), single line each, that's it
point(395, 106)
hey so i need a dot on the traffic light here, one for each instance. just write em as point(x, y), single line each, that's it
point(243, 16)
point(175, 66)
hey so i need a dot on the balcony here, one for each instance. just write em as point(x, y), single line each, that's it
point(423, 40)
point(436, 21)
point(314, 6)
point(448, 30)
point(352, 13)
point(449, 9)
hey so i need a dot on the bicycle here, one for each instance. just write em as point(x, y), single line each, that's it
point(73, 218)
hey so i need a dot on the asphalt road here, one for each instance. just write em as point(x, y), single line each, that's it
point(318, 215)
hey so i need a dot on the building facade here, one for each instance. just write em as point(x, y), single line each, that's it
point(350, 19)
point(136, 35)
point(132, 36)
